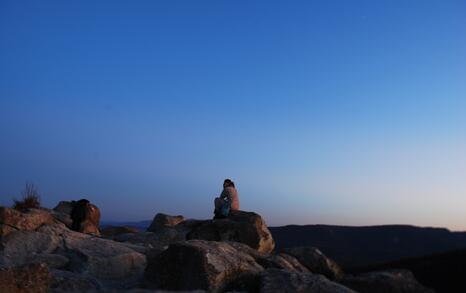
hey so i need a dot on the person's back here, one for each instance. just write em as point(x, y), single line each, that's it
point(231, 194)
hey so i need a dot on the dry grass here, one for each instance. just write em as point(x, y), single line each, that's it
point(30, 200)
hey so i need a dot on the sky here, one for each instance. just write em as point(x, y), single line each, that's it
point(322, 112)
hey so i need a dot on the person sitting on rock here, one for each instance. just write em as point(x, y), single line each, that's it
point(227, 201)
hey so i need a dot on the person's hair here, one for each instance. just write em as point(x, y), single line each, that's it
point(228, 182)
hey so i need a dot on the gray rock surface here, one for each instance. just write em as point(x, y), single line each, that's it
point(316, 261)
point(283, 281)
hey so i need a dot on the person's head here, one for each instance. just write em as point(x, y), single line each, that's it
point(228, 183)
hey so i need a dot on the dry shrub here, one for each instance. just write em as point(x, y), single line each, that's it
point(31, 198)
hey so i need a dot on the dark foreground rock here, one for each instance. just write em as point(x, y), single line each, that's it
point(316, 261)
point(394, 281)
point(283, 281)
point(35, 278)
point(199, 265)
point(244, 227)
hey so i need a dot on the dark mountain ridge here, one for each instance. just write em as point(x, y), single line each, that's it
point(354, 247)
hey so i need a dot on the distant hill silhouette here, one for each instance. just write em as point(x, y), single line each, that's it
point(141, 225)
point(354, 247)
point(443, 272)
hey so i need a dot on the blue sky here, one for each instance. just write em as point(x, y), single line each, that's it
point(334, 112)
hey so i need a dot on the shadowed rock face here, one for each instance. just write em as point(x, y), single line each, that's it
point(394, 281)
point(283, 281)
point(244, 227)
point(34, 278)
point(316, 261)
point(198, 264)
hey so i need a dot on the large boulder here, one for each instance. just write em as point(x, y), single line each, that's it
point(393, 281)
point(22, 247)
point(199, 265)
point(13, 220)
point(316, 261)
point(104, 259)
point(83, 212)
point(162, 220)
point(244, 227)
point(284, 281)
point(34, 278)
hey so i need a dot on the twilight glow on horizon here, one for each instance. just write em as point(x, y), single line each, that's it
point(322, 112)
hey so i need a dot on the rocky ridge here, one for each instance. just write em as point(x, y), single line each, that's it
point(39, 253)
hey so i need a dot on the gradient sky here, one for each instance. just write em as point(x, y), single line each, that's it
point(322, 112)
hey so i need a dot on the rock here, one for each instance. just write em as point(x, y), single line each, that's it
point(111, 231)
point(64, 207)
point(283, 281)
point(12, 220)
point(62, 212)
point(162, 220)
point(394, 281)
point(98, 258)
point(266, 260)
point(244, 227)
point(199, 265)
point(282, 261)
point(35, 278)
point(316, 261)
point(88, 214)
point(104, 259)
point(21, 247)
point(64, 281)
point(54, 261)
point(160, 239)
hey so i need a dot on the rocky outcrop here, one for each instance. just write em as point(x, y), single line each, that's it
point(284, 281)
point(110, 263)
point(244, 227)
point(316, 261)
point(88, 214)
point(13, 220)
point(161, 221)
point(199, 265)
point(35, 278)
point(394, 281)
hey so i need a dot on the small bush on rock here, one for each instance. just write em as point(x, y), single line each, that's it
point(30, 200)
